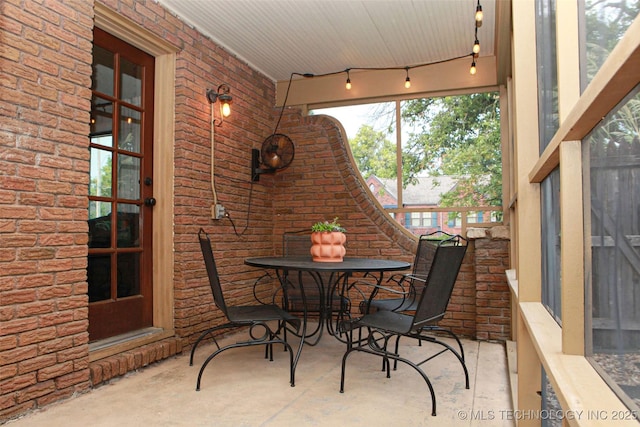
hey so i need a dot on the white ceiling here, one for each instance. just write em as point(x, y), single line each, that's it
point(281, 37)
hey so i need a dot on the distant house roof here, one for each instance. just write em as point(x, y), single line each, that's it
point(427, 191)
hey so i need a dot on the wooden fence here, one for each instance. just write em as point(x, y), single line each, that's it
point(615, 240)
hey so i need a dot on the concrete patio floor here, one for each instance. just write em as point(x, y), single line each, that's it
point(241, 388)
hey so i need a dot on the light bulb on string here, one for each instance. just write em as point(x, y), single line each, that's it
point(476, 44)
point(476, 47)
point(348, 84)
point(473, 70)
point(479, 15)
point(407, 81)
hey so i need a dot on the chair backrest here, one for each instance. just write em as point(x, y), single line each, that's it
point(426, 250)
point(424, 256)
point(212, 271)
point(296, 243)
point(447, 260)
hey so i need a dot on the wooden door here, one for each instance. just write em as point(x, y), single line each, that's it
point(120, 189)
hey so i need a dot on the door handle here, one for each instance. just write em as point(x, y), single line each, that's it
point(150, 201)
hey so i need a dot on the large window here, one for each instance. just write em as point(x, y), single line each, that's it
point(613, 150)
point(550, 215)
point(447, 149)
point(613, 153)
point(548, 125)
point(547, 71)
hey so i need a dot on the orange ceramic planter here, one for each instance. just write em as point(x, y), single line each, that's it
point(328, 246)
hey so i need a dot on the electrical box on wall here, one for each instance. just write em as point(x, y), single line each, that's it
point(218, 211)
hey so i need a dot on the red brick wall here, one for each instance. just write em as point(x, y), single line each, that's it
point(202, 65)
point(44, 162)
point(321, 184)
point(493, 300)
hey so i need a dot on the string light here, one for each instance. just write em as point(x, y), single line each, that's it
point(476, 44)
point(479, 15)
point(407, 82)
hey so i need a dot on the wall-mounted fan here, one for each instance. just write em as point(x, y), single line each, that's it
point(276, 153)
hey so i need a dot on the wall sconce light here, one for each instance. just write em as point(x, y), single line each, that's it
point(221, 94)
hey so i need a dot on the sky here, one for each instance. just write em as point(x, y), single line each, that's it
point(351, 117)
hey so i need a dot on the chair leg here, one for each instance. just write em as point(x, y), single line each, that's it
point(451, 349)
point(268, 352)
point(426, 379)
point(292, 370)
point(248, 344)
point(209, 331)
point(451, 334)
point(396, 358)
point(344, 366)
point(460, 359)
point(395, 362)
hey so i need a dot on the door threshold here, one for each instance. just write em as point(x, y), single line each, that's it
point(120, 343)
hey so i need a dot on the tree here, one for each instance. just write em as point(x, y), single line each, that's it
point(373, 153)
point(457, 136)
point(101, 186)
point(606, 23)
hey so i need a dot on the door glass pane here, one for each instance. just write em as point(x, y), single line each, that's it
point(131, 83)
point(128, 274)
point(101, 131)
point(99, 277)
point(128, 177)
point(128, 225)
point(99, 224)
point(129, 137)
point(101, 168)
point(102, 71)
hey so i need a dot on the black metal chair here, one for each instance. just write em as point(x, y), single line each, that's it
point(408, 286)
point(256, 317)
point(383, 325)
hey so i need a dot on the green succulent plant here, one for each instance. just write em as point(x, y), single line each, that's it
point(326, 226)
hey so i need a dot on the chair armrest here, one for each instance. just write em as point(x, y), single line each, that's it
point(378, 287)
point(418, 278)
point(399, 285)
